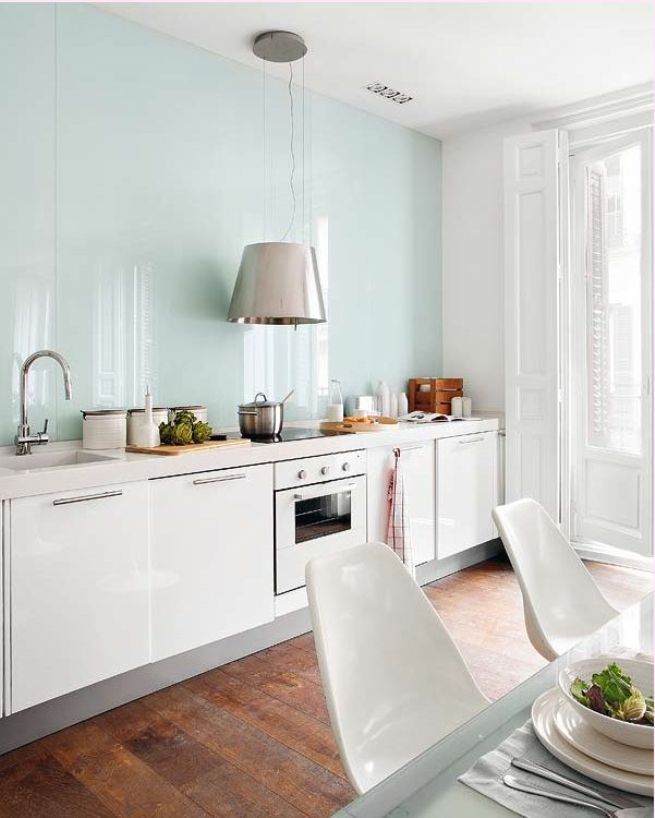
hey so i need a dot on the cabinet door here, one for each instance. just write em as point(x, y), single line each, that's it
point(419, 470)
point(466, 491)
point(211, 556)
point(79, 589)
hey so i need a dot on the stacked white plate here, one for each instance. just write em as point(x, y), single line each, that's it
point(569, 737)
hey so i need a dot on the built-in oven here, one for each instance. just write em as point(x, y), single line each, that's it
point(320, 508)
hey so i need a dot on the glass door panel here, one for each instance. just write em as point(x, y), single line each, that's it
point(611, 337)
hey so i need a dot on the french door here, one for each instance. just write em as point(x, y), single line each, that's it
point(611, 343)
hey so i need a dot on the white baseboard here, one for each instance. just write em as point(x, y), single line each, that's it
point(598, 552)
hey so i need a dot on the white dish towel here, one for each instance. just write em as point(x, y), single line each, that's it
point(399, 535)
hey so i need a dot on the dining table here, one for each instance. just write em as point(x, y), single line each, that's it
point(428, 786)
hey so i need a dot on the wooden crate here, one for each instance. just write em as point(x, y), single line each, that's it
point(437, 398)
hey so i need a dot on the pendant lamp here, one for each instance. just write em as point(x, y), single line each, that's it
point(278, 281)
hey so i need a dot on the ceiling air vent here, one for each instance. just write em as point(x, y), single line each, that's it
point(385, 91)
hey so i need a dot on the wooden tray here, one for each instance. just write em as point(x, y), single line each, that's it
point(168, 450)
point(349, 427)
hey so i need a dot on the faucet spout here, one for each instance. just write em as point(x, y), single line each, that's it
point(24, 438)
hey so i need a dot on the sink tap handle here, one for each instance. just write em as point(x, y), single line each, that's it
point(45, 426)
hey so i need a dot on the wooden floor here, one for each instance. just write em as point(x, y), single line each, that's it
point(252, 739)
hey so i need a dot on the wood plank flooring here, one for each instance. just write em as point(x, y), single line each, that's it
point(252, 739)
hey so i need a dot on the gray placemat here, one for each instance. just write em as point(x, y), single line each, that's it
point(486, 776)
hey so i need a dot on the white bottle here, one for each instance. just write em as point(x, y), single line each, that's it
point(335, 403)
point(382, 398)
point(147, 431)
point(393, 405)
point(403, 405)
point(456, 407)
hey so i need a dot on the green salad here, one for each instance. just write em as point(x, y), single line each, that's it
point(612, 693)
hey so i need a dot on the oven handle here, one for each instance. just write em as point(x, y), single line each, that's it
point(297, 497)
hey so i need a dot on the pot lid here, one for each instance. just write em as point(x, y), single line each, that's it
point(187, 406)
point(260, 402)
point(86, 412)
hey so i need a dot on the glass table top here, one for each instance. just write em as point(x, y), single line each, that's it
point(427, 787)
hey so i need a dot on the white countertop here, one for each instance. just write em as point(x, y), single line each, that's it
point(127, 467)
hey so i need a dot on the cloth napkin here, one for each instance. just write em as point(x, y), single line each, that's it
point(399, 536)
point(486, 776)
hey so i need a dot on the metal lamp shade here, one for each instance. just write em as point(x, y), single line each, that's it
point(277, 283)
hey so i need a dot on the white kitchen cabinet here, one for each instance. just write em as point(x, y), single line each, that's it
point(211, 556)
point(79, 589)
point(420, 494)
point(467, 489)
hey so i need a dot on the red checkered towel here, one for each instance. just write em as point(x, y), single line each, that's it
point(398, 528)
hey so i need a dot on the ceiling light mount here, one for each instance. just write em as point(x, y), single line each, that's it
point(279, 46)
point(386, 92)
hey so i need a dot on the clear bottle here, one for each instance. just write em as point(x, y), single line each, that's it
point(382, 398)
point(335, 402)
point(393, 405)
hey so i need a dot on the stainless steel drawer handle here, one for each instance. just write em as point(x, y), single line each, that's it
point(467, 442)
point(65, 501)
point(412, 448)
point(222, 479)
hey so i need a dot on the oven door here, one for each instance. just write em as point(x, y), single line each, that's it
point(313, 521)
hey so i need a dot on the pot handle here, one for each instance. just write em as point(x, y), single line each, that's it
point(260, 394)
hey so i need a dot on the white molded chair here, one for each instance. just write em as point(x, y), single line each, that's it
point(395, 683)
point(561, 602)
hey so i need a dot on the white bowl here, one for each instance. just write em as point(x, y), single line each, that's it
point(634, 735)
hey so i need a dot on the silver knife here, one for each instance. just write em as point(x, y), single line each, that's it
point(550, 775)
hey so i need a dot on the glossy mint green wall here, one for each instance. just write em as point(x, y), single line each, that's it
point(131, 175)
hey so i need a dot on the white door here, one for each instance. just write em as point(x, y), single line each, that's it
point(420, 489)
point(467, 491)
point(211, 556)
point(79, 590)
point(531, 317)
point(611, 318)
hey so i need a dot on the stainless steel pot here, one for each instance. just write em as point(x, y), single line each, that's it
point(262, 417)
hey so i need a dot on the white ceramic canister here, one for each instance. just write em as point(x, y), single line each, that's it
point(199, 411)
point(467, 407)
point(135, 416)
point(104, 428)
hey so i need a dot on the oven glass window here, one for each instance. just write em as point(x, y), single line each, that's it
point(321, 516)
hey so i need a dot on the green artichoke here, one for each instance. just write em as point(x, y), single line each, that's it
point(201, 431)
point(165, 433)
point(184, 417)
point(182, 434)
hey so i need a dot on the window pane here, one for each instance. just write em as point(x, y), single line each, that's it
point(613, 270)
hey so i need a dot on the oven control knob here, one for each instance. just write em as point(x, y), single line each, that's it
point(302, 474)
point(346, 466)
point(325, 470)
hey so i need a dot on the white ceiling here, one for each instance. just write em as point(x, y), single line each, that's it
point(465, 64)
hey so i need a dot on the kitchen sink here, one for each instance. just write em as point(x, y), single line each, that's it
point(53, 460)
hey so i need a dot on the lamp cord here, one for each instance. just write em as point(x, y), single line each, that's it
point(293, 159)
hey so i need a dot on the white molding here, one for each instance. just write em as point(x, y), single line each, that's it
point(595, 110)
point(598, 552)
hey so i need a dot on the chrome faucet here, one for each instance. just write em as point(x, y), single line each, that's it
point(24, 439)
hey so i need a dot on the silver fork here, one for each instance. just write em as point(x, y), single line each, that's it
point(534, 789)
point(614, 800)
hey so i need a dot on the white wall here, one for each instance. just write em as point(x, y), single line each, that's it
point(472, 228)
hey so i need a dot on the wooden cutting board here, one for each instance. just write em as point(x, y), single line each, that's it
point(192, 448)
point(349, 427)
